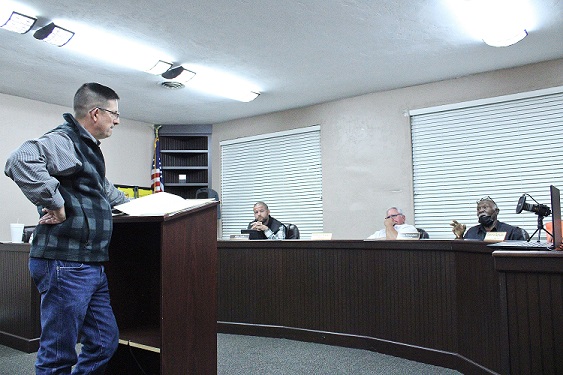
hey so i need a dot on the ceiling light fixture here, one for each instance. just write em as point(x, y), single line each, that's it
point(19, 23)
point(54, 35)
point(217, 83)
point(504, 39)
point(246, 96)
point(498, 23)
point(230, 92)
point(160, 67)
point(179, 74)
point(131, 53)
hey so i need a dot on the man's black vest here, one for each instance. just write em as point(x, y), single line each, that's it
point(85, 234)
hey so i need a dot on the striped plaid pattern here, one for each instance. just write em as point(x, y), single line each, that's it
point(67, 165)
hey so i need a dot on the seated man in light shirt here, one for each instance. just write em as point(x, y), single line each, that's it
point(394, 224)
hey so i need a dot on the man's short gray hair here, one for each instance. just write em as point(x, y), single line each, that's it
point(396, 208)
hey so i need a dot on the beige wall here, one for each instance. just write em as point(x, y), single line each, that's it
point(128, 152)
point(366, 145)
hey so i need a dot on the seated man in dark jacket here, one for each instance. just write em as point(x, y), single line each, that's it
point(487, 212)
point(268, 227)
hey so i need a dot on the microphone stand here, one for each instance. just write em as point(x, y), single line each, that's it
point(539, 229)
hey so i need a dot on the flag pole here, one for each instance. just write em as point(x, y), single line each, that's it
point(156, 172)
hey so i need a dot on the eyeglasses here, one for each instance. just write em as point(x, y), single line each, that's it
point(394, 215)
point(487, 198)
point(114, 114)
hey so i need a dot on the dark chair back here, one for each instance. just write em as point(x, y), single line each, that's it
point(423, 233)
point(292, 232)
point(27, 232)
point(204, 193)
point(525, 234)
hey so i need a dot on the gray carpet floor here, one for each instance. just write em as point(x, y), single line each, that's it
point(246, 355)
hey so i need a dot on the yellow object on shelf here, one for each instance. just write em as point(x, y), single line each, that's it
point(133, 192)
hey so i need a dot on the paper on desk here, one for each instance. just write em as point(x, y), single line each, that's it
point(160, 204)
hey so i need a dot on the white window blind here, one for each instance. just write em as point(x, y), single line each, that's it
point(501, 149)
point(283, 170)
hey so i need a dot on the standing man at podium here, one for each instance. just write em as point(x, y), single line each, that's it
point(63, 174)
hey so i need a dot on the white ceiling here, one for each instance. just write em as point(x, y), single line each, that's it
point(297, 53)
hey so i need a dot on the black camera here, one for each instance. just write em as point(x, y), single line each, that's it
point(539, 209)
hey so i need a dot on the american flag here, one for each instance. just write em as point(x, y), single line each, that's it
point(156, 173)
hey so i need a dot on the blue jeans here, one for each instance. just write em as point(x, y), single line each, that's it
point(74, 303)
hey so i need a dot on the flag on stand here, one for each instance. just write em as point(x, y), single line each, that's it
point(156, 174)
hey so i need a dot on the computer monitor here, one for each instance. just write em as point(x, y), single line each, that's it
point(556, 215)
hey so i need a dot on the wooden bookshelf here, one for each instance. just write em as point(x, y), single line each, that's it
point(185, 156)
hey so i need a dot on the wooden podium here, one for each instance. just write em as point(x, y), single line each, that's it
point(19, 300)
point(163, 286)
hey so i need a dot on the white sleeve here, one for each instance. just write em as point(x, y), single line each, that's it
point(407, 228)
point(378, 234)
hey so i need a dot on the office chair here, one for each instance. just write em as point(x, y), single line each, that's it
point(292, 232)
point(423, 233)
point(525, 234)
point(204, 193)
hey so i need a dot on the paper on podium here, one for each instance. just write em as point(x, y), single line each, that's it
point(160, 204)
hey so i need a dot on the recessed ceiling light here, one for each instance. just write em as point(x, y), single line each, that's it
point(505, 39)
point(160, 67)
point(19, 23)
point(54, 35)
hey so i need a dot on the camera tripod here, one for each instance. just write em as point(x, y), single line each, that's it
point(539, 228)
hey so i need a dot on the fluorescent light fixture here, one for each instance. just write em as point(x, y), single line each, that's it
point(217, 83)
point(243, 96)
point(19, 23)
point(179, 74)
point(504, 39)
point(117, 49)
point(185, 76)
point(498, 23)
point(160, 67)
point(224, 89)
point(54, 35)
